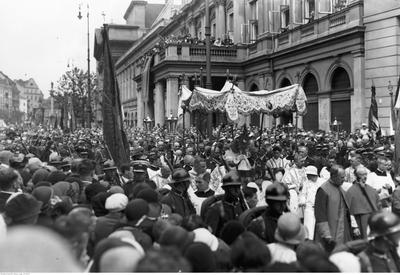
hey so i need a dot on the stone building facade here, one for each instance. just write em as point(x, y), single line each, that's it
point(7, 94)
point(32, 93)
point(333, 48)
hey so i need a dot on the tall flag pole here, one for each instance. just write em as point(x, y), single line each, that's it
point(114, 135)
point(373, 122)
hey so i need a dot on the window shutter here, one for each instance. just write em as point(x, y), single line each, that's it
point(325, 6)
point(253, 30)
point(298, 11)
point(285, 16)
point(274, 21)
point(244, 33)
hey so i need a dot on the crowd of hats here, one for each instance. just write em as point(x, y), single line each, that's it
point(75, 219)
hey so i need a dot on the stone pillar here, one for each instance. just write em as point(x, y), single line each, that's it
point(239, 19)
point(220, 20)
point(159, 110)
point(242, 118)
point(171, 52)
point(299, 121)
point(172, 96)
point(140, 109)
point(192, 28)
point(358, 97)
point(324, 110)
point(268, 121)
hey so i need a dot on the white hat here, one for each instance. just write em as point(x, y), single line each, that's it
point(311, 170)
point(346, 262)
point(202, 235)
point(116, 202)
point(364, 124)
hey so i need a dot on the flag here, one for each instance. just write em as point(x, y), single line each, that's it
point(396, 107)
point(373, 123)
point(113, 132)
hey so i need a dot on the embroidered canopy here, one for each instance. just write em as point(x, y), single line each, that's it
point(233, 101)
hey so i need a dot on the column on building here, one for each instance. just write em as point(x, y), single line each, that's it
point(324, 112)
point(243, 119)
point(192, 27)
point(266, 83)
point(239, 19)
point(299, 121)
point(159, 109)
point(220, 19)
point(140, 109)
point(172, 87)
point(358, 97)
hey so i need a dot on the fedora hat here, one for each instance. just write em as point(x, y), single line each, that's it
point(290, 230)
point(180, 175)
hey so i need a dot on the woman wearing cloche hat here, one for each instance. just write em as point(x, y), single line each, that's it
point(288, 234)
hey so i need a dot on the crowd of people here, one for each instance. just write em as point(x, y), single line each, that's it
point(242, 199)
point(188, 39)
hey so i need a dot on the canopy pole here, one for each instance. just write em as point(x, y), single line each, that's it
point(183, 122)
point(297, 116)
point(261, 130)
point(297, 121)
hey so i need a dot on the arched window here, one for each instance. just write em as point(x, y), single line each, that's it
point(286, 116)
point(310, 87)
point(340, 79)
point(253, 87)
point(255, 118)
point(285, 82)
point(340, 98)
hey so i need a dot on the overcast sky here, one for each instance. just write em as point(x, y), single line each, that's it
point(38, 38)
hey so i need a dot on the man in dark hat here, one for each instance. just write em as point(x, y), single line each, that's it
point(231, 205)
point(380, 254)
point(178, 198)
point(276, 197)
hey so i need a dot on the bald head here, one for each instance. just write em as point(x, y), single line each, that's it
point(337, 175)
point(361, 174)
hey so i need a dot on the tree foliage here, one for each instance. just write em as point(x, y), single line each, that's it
point(73, 87)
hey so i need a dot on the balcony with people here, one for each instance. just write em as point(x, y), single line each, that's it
point(187, 48)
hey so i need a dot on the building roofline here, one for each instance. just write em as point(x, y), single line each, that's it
point(133, 3)
point(138, 44)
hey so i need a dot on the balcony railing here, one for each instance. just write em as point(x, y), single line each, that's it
point(189, 52)
point(337, 20)
point(220, 51)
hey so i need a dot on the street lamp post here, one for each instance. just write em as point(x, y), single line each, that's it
point(88, 66)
